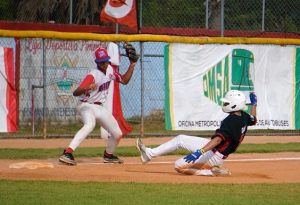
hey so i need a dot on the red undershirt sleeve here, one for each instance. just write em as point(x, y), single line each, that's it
point(89, 79)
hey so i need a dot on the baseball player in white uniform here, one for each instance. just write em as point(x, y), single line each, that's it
point(92, 93)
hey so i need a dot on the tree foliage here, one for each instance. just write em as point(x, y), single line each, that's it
point(279, 15)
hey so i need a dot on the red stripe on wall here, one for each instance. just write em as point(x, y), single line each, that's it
point(11, 102)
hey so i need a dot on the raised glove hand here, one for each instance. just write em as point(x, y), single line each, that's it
point(130, 52)
point(253, 99)
point(194, 156)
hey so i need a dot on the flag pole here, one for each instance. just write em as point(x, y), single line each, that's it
point(117, 28)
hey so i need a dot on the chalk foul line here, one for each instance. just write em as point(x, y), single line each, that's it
point(172, 162)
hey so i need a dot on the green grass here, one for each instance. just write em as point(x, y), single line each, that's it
point(15, 192)
point(132, 151)
point(269, 148)
point(53, 192)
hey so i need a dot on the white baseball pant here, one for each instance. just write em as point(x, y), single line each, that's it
point(90, 114)
point(202, 166)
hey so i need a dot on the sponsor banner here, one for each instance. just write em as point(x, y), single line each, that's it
point(198, 76)
point(65, 64)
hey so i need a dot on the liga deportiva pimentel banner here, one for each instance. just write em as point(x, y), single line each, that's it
point(198, 76)
point(8, 98)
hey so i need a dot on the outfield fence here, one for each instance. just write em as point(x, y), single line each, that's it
point(50, 69)
point(52, 66)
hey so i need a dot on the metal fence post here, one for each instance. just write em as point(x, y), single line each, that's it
point(44, 92)
point(142, 132)
point(263, 15)
point(32, 111)
point(142, 129)
point(206, 14)
point(222, 18)
point(71, 11)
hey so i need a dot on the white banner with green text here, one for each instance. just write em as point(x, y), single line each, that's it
point(198, 76)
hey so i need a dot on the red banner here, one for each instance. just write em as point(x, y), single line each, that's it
point(8, 94)
point(120, 11)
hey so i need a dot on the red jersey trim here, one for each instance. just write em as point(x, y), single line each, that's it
point(118, 76)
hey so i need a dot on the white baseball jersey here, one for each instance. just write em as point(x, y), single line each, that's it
point(102, 81)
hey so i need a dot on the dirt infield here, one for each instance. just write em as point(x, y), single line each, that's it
point(245, 168)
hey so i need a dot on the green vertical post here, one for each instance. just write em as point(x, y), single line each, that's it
point(297, 90)
point(168, 124)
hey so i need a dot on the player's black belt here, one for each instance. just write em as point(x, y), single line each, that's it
point(96, 103)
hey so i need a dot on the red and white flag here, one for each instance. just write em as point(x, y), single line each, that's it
point(8, 94)
point(113, 101)
point(120, 11)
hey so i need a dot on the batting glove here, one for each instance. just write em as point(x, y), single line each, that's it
point(253, 99)
point(194, 156)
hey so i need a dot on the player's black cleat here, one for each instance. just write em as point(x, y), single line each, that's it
point(110, 158)
point(67, 158)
